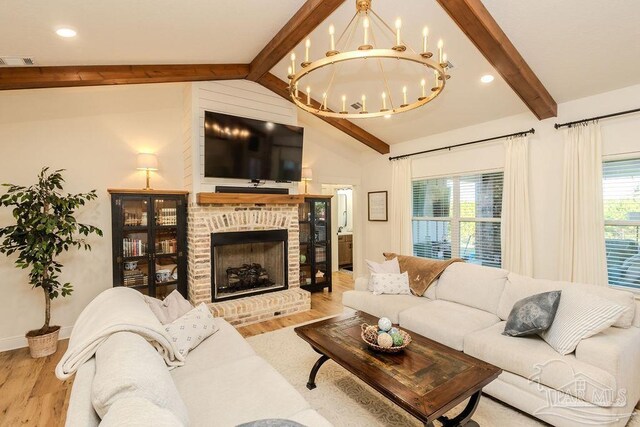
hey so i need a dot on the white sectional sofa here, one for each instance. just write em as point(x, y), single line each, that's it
point(466, 309)
point(223, 383)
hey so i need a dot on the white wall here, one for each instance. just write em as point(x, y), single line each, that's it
point(94, 133)
point(620, 138)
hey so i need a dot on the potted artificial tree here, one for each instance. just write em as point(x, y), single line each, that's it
point(44, 227)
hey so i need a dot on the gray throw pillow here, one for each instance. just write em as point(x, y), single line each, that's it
point(533, 314)
point(274, 422)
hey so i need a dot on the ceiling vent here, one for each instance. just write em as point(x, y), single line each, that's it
point(16, 61)
point(356, 106)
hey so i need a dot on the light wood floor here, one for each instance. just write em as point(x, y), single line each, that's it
point(31, 395)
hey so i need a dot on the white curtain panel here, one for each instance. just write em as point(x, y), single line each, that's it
point(582, 252)
point(401, 215)
point(517, 250)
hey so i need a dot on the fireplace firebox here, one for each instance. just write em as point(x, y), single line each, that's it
point(247, 263)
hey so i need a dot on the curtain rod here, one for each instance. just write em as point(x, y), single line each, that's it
point(532, 130)
point(606, 116)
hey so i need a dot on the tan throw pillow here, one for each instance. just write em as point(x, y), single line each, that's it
point(169, 309)
point(422, 271)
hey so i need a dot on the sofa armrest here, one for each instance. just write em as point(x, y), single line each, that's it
point(361, 284)
point(617, 351)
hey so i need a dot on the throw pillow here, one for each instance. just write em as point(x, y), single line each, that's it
point(274, 422)
point(533, 314)
point(392, 284)
point(579, 316)
point(388, 266)
point(422, 271)
point(191, 329)
point(169, 309)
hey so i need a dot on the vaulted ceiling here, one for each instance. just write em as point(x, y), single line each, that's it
point(575, 47)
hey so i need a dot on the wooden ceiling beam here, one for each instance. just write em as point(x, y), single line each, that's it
point(97, 75)
point(281, 88)
point(306, 19)
point(480, 27)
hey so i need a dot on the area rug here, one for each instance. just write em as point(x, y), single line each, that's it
point(344, 400)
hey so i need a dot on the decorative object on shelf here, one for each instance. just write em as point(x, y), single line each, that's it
point(384, 324)
point(43, 203)
point(319, 274)
point(307, 175)
point(147, 162)
point(163, 275)
point(130, 265)
point(303, 258)
point(384, 342)
point(378, 205)
point(428, 78)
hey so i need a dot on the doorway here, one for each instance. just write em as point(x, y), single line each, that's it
point(343, 216)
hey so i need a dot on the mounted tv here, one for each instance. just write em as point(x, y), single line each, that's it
point(237, 147)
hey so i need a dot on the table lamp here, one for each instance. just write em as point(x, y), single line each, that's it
point(307, 175)
point(147, 162)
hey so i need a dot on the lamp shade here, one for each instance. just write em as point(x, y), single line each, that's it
point(147, 161)
point(307, 174)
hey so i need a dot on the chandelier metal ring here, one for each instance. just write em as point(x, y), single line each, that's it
point(365, 54)
point(369, 50)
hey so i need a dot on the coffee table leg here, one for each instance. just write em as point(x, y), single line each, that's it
point(464, 418)
point(311, 384)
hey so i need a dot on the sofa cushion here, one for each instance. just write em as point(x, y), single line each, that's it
point(518, 287)
point(381, 305)
point(139, 412)
point(532, 358)
point(390, 284)
point(236, 392)
point(128, 366)
point(362, 284)
point(533, 314)
point(169, 309)
point(446, 322)
point(472, 285)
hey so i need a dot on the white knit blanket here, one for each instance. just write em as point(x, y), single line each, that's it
point(114, 310)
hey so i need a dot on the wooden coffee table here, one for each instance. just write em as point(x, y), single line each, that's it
point(427, 379)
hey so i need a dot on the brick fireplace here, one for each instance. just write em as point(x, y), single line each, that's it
point(221, 219)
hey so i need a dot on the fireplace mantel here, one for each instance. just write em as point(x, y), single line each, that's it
point(244, 198)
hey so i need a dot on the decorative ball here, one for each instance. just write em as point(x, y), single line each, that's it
point(385, 340)
point(303, 258)
point(371, 334)
point(398, 340)
point(384, 324)
point(380, 331)
point(393, 330)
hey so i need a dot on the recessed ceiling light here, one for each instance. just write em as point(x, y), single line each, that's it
point(387, 116)
point(487, 78)
point(66, 32)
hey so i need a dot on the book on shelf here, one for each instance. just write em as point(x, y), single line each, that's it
point(167, 216)
point(133, 247)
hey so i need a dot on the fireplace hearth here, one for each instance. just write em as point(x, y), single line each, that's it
point(248, 263)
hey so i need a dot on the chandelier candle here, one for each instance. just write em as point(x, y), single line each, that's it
point(348, 51)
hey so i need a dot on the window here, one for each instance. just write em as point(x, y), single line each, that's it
point(458, 217)
point(621, 197)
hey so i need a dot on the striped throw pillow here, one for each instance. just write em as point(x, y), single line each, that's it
point(579, 316)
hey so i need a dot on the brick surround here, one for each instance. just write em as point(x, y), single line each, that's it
point(206, 219)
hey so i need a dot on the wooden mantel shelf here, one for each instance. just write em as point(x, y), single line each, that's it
point(249, 198)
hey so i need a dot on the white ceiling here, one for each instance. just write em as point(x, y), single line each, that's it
point(576, 47)
point(141, 31)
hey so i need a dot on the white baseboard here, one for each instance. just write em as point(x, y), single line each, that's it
point(11, 343)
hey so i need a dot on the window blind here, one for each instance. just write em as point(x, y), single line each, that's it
point(621, 199)
point(459, 216)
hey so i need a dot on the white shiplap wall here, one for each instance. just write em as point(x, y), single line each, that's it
point(235, 97)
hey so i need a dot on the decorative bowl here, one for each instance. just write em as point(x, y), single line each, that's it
point(162, 275)
point(395, 349)
point(130, 265)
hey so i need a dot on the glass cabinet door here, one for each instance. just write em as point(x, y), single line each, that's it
point(304, 215)
point(321, 241)
point(134, 251)
point(165, 237)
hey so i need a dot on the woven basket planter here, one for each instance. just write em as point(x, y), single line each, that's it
point(43, 345)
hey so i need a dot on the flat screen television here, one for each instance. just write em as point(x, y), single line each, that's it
point(237, 147)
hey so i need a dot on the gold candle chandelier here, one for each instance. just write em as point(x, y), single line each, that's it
point(429, 82)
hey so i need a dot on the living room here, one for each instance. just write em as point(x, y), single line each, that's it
point(515, 153)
